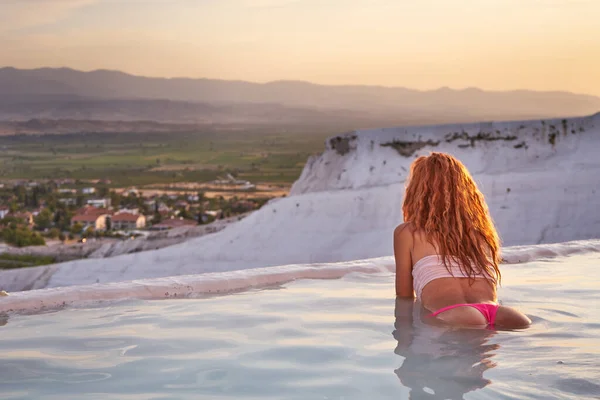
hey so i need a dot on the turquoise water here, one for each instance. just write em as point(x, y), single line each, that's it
point(313, 339)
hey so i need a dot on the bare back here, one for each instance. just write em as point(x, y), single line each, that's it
point(444, 292)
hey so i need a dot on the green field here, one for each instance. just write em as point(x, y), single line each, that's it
point(145, 158)
point(13, 261)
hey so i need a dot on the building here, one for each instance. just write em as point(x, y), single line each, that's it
point(26, 217)
point(131, 192)
point(165, 214)
point(163, 207)
point(89, 216)
point(150, 204)
point(103, 203)
point(88, 190)
point(4, 211)
point(135, 211)
point(127, 221)
point(182, 204)
point(214, 213)
point(68, 201)
point(67, 191)
point(231, 180)
point(210, 215)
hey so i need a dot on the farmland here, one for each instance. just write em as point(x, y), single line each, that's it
point(138, 159)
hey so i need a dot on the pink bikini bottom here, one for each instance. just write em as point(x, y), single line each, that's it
point(488, 310)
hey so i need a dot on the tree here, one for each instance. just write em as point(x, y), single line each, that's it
point(77, 228)
point(183, 213)
point(115, 199)
point(20, 193)
point(205, 218)
point(140, 202)
point(103, 191)
point(43, 220)
point(21, 236)
point(89, 232)
point(62, 219)
point(80, 200)
point(35, 194)
point(51, 202)
point(54, 233)
point(144, 209)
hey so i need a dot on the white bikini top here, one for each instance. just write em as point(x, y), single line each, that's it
point(430, 268)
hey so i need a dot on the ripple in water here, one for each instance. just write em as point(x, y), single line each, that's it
point(339, 339)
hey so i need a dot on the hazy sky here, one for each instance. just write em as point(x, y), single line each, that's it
point(423, 44)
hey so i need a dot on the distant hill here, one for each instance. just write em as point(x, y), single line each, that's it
point(64, 93)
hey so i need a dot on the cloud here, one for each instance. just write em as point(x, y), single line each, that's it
point(22, 14)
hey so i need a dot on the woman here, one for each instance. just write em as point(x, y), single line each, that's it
point(448, 250)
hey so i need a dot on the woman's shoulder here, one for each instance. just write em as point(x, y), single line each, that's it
point(408, 233)
point(407, 229)
point(404, 231)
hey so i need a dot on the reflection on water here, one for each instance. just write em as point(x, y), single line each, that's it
point(312, 340)
point(440, 362)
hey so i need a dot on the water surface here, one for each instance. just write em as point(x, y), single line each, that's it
point(313, 339)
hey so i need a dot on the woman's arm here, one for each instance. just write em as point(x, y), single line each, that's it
point(404, 331)
point(402, 245)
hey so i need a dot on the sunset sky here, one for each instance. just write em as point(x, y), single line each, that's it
point(424, 44)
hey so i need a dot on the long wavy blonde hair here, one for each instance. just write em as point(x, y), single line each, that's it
point(443, 201)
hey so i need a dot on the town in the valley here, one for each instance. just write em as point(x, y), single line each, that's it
point(70, 212)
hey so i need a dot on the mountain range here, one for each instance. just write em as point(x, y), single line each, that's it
point(102, 95)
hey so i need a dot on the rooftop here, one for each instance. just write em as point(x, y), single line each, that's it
point(126, 217)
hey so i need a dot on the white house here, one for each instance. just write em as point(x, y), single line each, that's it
point(134, 211)
point(102, 203)
point(127, 221)
point(67, 191)
point(4, 211)
point(98, 222)
point(68, 201)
